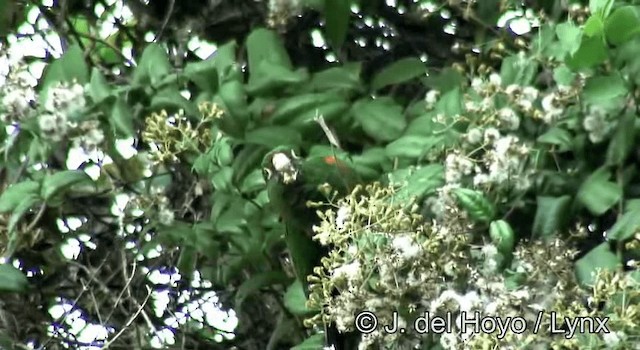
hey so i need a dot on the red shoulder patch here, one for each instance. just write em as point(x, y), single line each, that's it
point(331, 160)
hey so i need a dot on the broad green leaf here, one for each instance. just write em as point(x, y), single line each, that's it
point(569, 35)
point(626, 226)
point(99, 89)
point(153, 66)
point(551, 215)
point(592, 52)
point(268, 77)
point(398, 72)
point(23, 208)
point(291, 108)
point(622, 25)
point(601, 88)
point(70, 67)
point(411, 146)
point(599, 194)
point(273, 136)
point(475, 203)
point(14, 194)
point(450, 104)
point(12, 280)
point(225, 61)
point(563, 75)
point(601, 7)
point(600, 257)
point(518, 69)
point(187, 260)
point(295, 299)
point(122, 118)
point(171, 100)
point(447, 80)
point(346, 77)
point(594, 27)
point(559, 137)
point(253, 182)
point(314, 342)
point(381, 119)
point(61, 180)
point(264, 45)
point(336, 14)
point(622, 141)
point(222, 180)
point(203, 73)
point(419, 183)
point(255, 283)
point(502, 236)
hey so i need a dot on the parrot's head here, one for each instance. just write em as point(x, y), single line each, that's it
point(281, 165)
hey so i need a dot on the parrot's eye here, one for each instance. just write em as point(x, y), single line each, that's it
point(266, 172)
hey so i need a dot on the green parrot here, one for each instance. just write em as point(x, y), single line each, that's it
point(291, 182)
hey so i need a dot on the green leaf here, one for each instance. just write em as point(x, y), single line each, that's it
point(203, 73)
point(223, 179)
point(153, 66)
point(594, 27)
point(346, 77)
point(22, 208)
point(518, 69)
point(559, 137)
point(256, 282)
point(450, 104)
point(563, 75)
point(592, 52)
point(336, 14)
point(569, 35)
point(398, 72)
point(627, 226)
point(551, 215)
point(61, 180)
point(12, 280)
point(273, 136)
point(381, 119)
point(264, 45)
point(291, 108)
point(314, 342)
point(418, 183)
point(171, 100)
point(601, 7)
point(14, 194)
point(622, 141)
point(295, 299)
point(599, 89)
point(269, 76)
point(622, 25)
point(502, 236)
point(253, 182)
point(69, 67)
point(99, 89)
point(599, 194)
point(600, 257)
point(475, 203)
point(411, 146)
point(187, 260)
point(121, 118)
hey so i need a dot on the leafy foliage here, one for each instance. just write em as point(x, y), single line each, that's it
point(525, 149)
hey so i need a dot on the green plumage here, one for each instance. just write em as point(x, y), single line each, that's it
point(291, 182)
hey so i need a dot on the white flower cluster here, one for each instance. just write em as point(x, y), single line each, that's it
point(62, 99)
point(597, 125)
point(16, 92)
point(383, 258)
